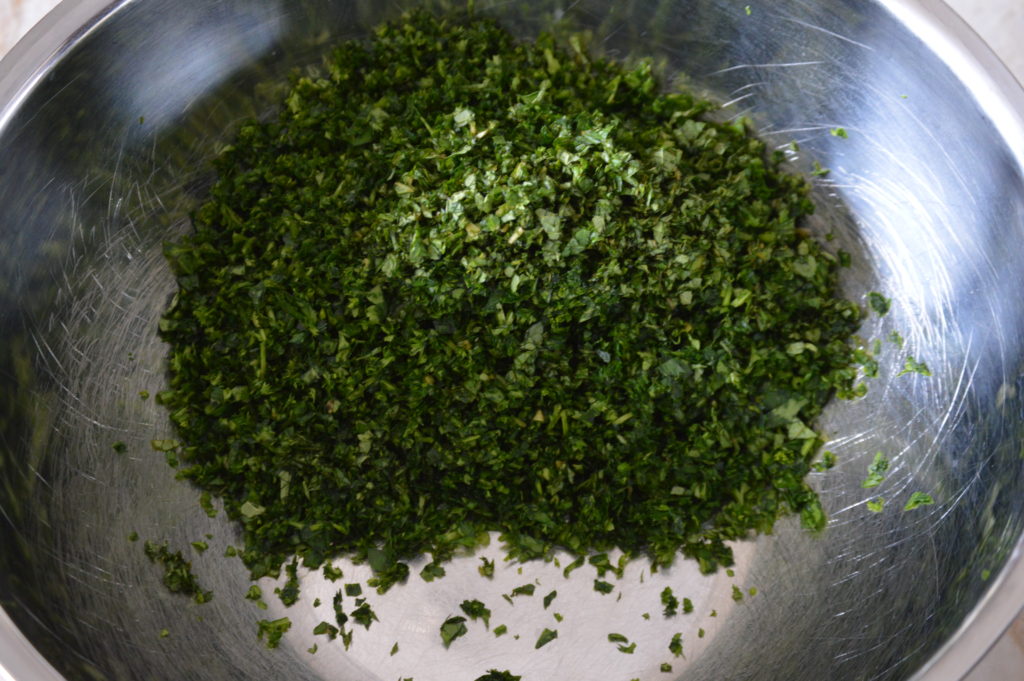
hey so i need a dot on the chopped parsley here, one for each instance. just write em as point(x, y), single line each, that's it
point(918, 499)
point(272, 630)
point(546, 637)
point(474, 609)
point(453, 628)
point(876, 471)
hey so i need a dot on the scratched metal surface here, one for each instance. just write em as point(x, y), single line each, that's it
point(104, 154)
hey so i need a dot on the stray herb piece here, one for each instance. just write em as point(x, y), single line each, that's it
point(617, 638)
point(645, 615)
point(432, 571)
point(458, 272)
point(839, 132)
point(546, 637)
point(206, 503)
point(687, 606)
point(120, 447)
point(675, 646)
point(333, 574)
point(876, 505)
point(670, 602)
point(486, 568)
point(879, 303)
point(394, 649)
point(495, 675)
point(143, 394)
point(254, 593)
point(474, 609)
point(133, 536)
point(578, 563)
point(326, 629)
point(273, 630)
point(524, 590)
point(918, 499)
point(913, 366)
point(666, 667)
point(200, 546)
point(827, 462)
point(500, 630)
point(339, 613)
point(178, 577)
point(289, 591)
point(364, 615)
point(602, 586)
point(164, 633)
point(550, 597)
point(316, 602)
point(312, 649)
point(896, 338)
point(700, 633)
point(819, 171)
point(453, 628)
point(752, 591)
point(629, 650)
point(737, 593)
point(353, 589)
point(558, 617)
point(876, 471)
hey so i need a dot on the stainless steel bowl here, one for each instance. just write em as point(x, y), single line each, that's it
point(109, 112)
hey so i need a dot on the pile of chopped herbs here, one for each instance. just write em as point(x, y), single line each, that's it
point(462, 283)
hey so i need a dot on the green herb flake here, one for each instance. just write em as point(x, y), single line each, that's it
point(486, 568)
point(524, 590)
point(353, 589)
point(558, 617)
point(879, 303)
point(687, 606)
point(200, 546)
point(453, 628)
point(333, 574)
point(546, 637)
point(326, 629)
point(133, 536)
point(576, 564)
point(876, 471)
point(271, 631)
point(737, 593)
point(164, 633)
point(911, 365)
point(432, 571)
point(666, 667)
point(120, 447)
point(603, 587)
point(500, 630)
point(675, 646)
point(918, 499)
point(394, 649)
point(669, 601)
point(495, 675)
point(550, 597)
point(876, 505)
point(839, 132)
point(178, 576)
point(474, 609)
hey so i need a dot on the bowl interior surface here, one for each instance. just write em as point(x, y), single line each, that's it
point(104, 154)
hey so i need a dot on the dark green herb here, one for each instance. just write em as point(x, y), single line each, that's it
point(617, 638)
point(316, 602)
point(500, 630)
point(461, 284)
point(675, 646)
point(670, 602)
point(558, 617)
point(326, 629)
point(143, 394)
point(629, 650)
point(353, 590)
point(915, 367)
point(133, 536)
point(289, 591)
point(120, 447)
point(576, 564)
point(546, 637)
point(178, 577)
point(827, 462)
point(364, 614)
point(273, 630)
point(339, 613)
point(918, 499)
point(687, 606)
point(486, 568)
point(700, 633)
point(312, 649)
point(394, 649)
point(206, 503)
point(666, 667)
point(876, 471)
point(474, 609)
point(879, 303)
point(254, 593)
point(495, 675)
point(524, 590)
point(603, 587)
point(453, 628)
point(550, 597)
point(737, 593)
point(333, 574)
point(432, 571)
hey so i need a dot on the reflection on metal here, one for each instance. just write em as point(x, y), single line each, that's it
point(105, 135)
